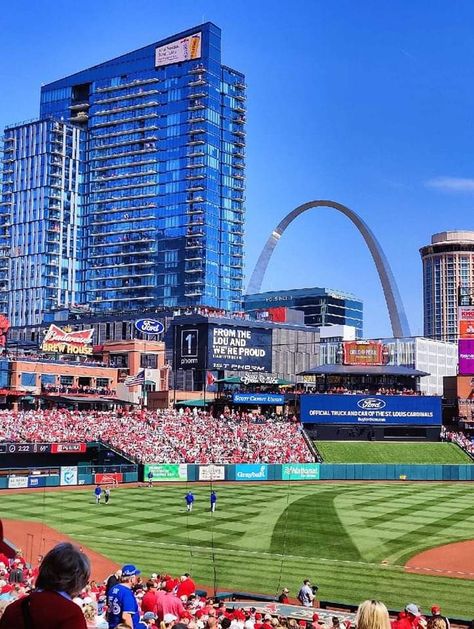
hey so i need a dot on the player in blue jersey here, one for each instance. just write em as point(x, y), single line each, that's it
point(189, 498)
point(213, 498)
point(97, 494)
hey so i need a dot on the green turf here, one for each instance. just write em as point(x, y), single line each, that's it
point(264, 537)
point(381, 452)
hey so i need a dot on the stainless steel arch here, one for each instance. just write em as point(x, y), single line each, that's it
point(396, 311)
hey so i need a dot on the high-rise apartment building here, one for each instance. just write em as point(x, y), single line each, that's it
point(151, 192)
point(448, 268)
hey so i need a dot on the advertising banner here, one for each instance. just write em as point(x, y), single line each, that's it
point(184, 49)
point(259, 399)
point(108, 479)
point(36, 481)
point(190, 350)
point(239, 348)
point(61, 341)
point(17, 482)
point(68, 448)
point(166, 472)
point(211, 472)
point(68, 475)
point(149, 326)
point(300, 471)
point(466, 322)
point(222, 347)
point(364, 353)
point(421, 410)
point(251, 471)
point(466, 329)
point(466, 357)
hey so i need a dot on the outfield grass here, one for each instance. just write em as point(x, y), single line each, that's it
point(382, 452)
point(264, 537)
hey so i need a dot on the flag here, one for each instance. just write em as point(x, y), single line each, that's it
point(210, 378)
point(132, 381)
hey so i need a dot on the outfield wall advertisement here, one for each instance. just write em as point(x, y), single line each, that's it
point(212, 472)
point(300, 471)
point(251, 471)
point(68, 475)
point(163, 472)
point(372, 410)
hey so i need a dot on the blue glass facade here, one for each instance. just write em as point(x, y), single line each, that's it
point(320, 306)
point(162, 145)
point(41, 219)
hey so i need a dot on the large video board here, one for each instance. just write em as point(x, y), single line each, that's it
point(371, 409)
point(223, 347)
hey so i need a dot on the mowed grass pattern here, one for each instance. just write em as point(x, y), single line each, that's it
point(263, 537)
point(381, 452)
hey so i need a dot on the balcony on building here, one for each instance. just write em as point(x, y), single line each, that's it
point(79, 106)
point(80, 117)
point(239, 108)
point(196, 165)
point(196, 131)
point(194, 153)
point(114, 99)
point(197, 81)
point(197, 69)
point(196, 106)
point(193, 292)
point(123, 86)
point(195, 142)
point(192, 211)
point(195, 177)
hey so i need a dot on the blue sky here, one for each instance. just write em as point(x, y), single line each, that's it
point(367, 103)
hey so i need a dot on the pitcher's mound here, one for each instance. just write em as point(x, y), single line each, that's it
point(35, 538)
point(451, 560)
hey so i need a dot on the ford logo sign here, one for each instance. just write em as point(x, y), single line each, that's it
point(372, 403)
point(149, 326)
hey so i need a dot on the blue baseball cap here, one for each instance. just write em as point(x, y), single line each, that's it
point(129, 570)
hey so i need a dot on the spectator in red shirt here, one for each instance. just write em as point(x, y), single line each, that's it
point(149, 600)
point(63, 574)
point(186, 586)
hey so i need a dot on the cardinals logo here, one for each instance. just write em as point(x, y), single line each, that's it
point(4, 327)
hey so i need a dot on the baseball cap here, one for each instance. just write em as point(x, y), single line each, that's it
point(169, 618)
point(435, 610)
point(315, 617)
point(286, 590)
point(267, 617)
point(149, 616)
point(412, 609)
point(129, 570)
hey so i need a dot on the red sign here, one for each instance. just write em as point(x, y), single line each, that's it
point(68, 448)
point(57, 340)
point(4, 327)
point(364, 353)
point(108, 479)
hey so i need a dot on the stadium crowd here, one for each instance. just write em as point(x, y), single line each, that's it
point(166, 436)
point(59, 594)
point(462, 440)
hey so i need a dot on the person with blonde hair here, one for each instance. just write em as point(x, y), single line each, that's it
point(372, 615)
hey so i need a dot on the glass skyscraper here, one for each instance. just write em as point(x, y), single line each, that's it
point(151, 196)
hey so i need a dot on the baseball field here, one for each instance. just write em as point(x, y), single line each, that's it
point(353, 540)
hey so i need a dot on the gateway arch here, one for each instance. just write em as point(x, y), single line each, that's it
point(396, 311)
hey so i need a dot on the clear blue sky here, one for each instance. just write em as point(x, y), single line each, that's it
point(367, 103)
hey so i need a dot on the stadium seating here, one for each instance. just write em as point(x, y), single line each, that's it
point(165, 436)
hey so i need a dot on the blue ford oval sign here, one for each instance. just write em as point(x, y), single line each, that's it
point(149, 326)
point(371, 403)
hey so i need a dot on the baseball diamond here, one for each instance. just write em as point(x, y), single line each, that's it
point(350, 538)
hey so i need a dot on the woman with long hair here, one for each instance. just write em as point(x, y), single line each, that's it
point(372, 615)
